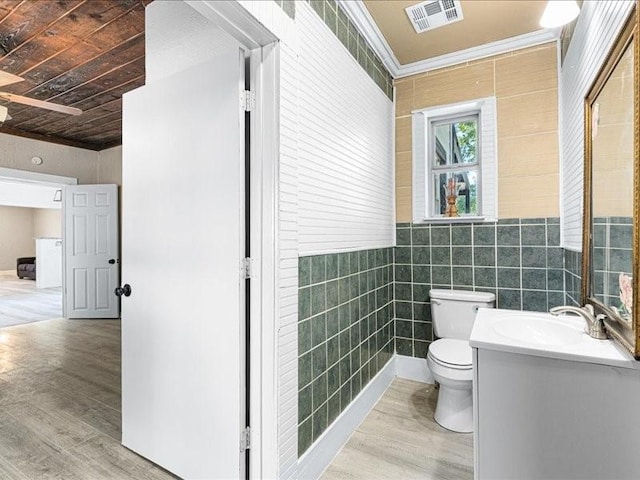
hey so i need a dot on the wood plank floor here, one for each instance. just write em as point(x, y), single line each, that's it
point(21, 302)
point(60, 404)
point(400, 440)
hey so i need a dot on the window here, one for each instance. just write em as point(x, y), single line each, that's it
point(454, 162)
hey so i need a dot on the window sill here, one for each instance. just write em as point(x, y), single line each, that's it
point(469, 219)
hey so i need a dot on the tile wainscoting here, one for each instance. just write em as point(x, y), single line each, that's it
point(289, 7)
point(357, 309)
point(520, 260)
point(573, 277)
point(345, 333)
point(612, 255)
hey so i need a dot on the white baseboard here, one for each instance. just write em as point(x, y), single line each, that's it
point(320, 455)
point(412, 368)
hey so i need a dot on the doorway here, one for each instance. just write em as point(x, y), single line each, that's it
point(184, 258)
point(30, 234)
point(261, 269)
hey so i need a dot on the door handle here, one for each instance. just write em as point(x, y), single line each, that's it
point(113, 261)
point(123, 290)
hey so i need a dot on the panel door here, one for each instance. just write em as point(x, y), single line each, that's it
point(183, 241)
point(90, 229)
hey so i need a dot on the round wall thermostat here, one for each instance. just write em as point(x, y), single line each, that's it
point(36, 161)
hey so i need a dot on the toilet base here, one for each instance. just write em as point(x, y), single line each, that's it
point(454, 409)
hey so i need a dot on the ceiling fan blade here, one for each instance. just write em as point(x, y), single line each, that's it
point(32, 102)
point(7, 78)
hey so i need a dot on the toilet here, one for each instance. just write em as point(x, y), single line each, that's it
point(449, 358)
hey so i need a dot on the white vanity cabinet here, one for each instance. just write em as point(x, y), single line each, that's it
point(544, 416)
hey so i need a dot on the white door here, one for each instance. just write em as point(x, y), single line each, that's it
point(183, 375)
point(91, 259)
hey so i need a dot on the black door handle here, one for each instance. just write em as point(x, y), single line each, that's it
point(124, 290)
point(112, 261)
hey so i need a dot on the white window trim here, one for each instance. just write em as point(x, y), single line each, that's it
point(488, 154)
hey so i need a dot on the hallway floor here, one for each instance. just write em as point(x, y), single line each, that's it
point(60, 404)
point(21, 302)
point(400, 440)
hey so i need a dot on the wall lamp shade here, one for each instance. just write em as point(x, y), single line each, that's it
point(558, 13)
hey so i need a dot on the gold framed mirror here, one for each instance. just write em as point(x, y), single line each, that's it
point(611, 191)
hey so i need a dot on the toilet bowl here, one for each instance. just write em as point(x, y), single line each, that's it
point(449, 361)
point(450, 358)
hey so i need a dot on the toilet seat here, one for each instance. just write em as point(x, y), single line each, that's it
point(451, 353)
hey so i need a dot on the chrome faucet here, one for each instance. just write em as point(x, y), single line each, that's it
point(595, 324)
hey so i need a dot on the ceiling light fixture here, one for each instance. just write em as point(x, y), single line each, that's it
point(558, 13)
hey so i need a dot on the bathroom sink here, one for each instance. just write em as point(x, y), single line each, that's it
point(545, 335)
point(539, 331)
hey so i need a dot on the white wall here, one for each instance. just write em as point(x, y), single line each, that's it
point(17, 152)
point(345, 169)
point(19, 227)
point(47, 222)
point(110, 166)
point(598, 25)
point(171, 46)
point(16, 236)
point(22, 194)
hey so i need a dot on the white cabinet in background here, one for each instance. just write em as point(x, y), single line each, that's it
point(48, 262)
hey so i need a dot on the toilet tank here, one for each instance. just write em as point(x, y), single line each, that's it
point(454, 311)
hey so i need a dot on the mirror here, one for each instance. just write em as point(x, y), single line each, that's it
point(610, 275)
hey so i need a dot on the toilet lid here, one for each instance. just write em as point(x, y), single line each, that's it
point(451, 351)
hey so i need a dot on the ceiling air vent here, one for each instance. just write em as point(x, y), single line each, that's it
point(433, 14)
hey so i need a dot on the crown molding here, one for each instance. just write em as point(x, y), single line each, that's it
point(362, 19)
point(481, 51)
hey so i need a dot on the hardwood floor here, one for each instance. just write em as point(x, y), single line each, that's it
point(60, 416)
point(400, 440)
point(21, 302)
point(60, 404)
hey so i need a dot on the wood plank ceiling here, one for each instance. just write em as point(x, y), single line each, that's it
point(80, 53)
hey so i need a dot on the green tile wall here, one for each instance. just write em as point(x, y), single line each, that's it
point(289, 7)
point(336, 19)
point(345, 333)
point(520, 260)
point(356, 309)
point(573, 277)
point(612, 255)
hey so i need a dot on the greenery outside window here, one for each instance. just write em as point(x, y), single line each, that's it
point(455, 159)
point(454, 162)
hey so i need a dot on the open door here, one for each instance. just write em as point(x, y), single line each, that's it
point(91, 258)
point(183, 345)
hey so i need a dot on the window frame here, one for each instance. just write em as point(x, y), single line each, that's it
point(423, 205)
point(432, 169)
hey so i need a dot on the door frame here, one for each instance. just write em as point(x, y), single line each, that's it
point(45, 179)
point(263, 48)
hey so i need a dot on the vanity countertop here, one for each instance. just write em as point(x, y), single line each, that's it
point(545, 335)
